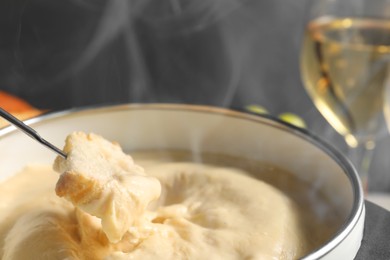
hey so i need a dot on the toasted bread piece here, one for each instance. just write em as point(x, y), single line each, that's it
point(99, 178)
point(78, 188)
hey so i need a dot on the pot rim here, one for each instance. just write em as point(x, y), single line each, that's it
point(357, 210)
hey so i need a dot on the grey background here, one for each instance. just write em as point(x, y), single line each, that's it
point(76, 53)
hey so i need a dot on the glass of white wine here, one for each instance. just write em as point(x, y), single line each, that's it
point(345, 62)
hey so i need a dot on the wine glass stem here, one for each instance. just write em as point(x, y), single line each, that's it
point(361, 157)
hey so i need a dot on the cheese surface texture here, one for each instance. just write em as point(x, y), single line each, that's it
point(154, 209)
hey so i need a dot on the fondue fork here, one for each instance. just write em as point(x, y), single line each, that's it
point(30, 132)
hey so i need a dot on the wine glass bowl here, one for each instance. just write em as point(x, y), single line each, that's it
point(345, 63)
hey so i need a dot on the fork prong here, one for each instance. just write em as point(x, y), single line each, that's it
point(30, 132)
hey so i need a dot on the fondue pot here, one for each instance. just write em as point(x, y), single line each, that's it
point(201, 129)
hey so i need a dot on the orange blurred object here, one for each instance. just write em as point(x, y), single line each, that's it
point(17, 107)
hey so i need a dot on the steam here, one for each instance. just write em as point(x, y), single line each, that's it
point(174, 17)
point(114, 21)
point(228, 50)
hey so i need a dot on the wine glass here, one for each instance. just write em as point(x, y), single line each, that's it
point(344, 64)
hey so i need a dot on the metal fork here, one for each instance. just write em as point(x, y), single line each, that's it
point(30, 132)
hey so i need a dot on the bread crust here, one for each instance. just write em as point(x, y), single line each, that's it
point(77, 188)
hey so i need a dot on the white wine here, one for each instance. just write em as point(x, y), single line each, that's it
point(386, 105)
point(345, 64)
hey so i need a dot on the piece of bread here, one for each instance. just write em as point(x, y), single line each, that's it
point(99, 178)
